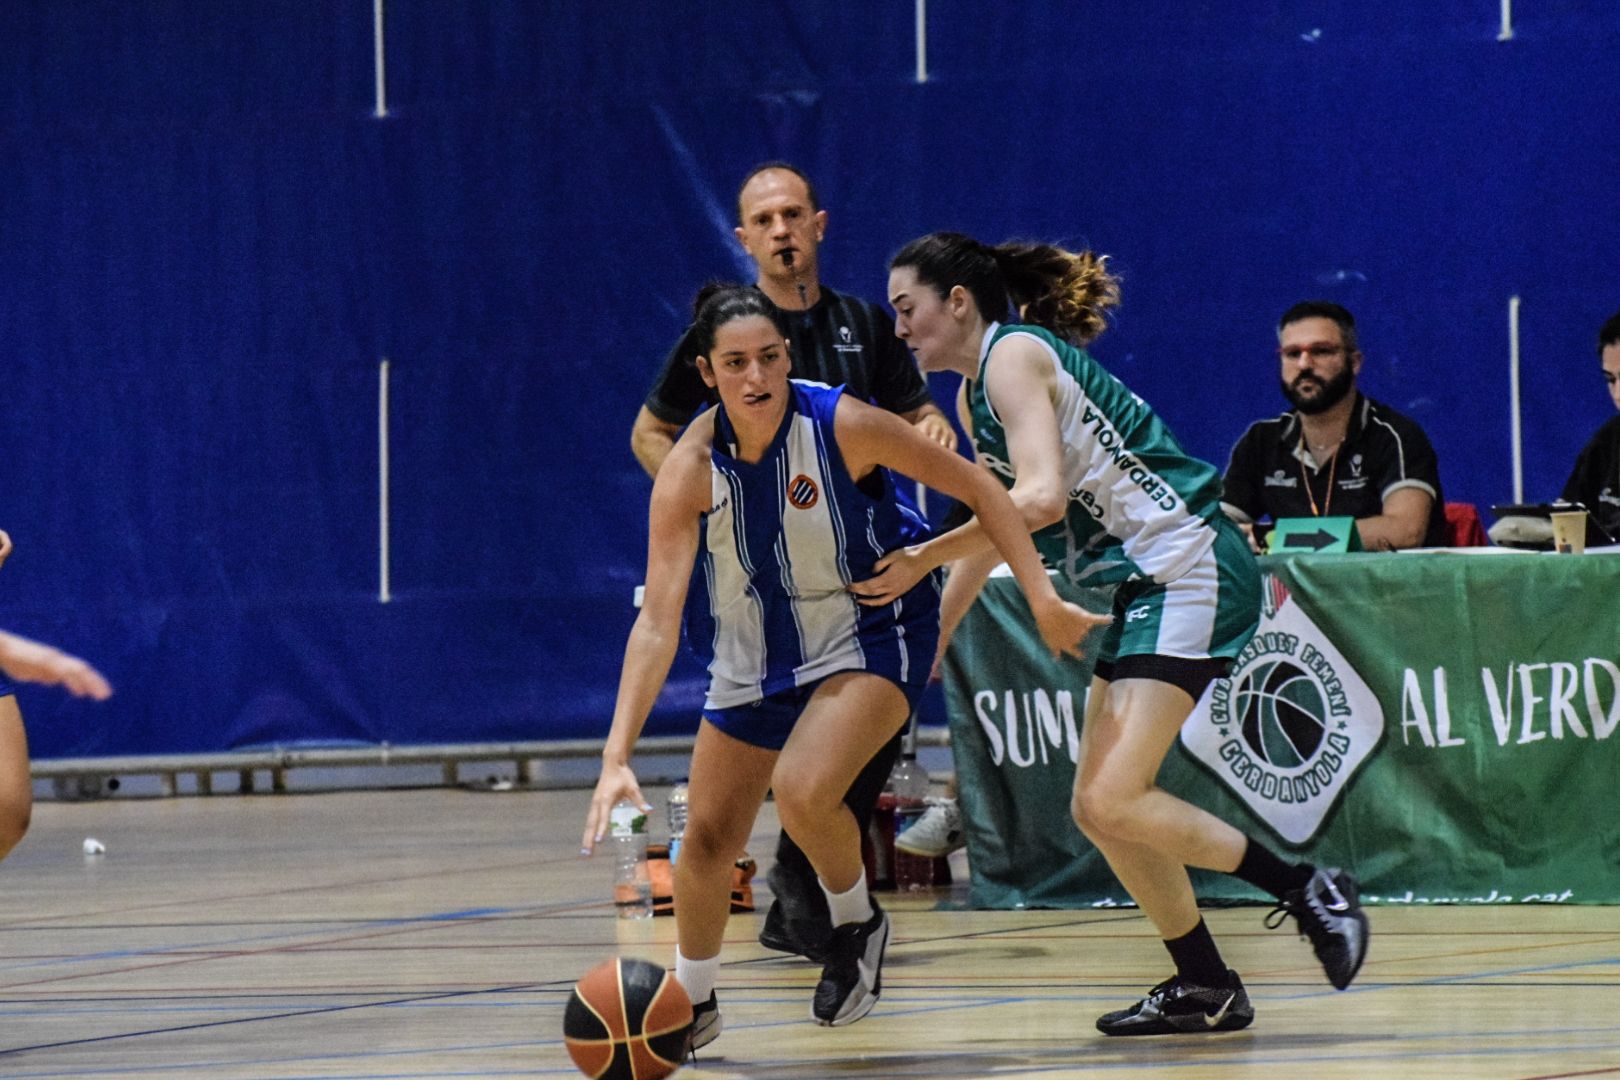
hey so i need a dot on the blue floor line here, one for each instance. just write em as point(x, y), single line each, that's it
point(306, 930)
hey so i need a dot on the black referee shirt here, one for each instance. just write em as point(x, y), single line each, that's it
point(840, 340)
point(1382, 452)
point(1596, 479)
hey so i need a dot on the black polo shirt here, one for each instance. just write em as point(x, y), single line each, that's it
point(1596, 479)
point(1382, 452)
point(841, 340)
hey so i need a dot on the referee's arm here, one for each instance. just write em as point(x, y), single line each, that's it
point(651, 440)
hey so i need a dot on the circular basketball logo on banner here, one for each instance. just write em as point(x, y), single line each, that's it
point(803, 493)
point(1291, 725)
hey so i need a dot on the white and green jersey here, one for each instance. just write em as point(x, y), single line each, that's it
point(1139, 505)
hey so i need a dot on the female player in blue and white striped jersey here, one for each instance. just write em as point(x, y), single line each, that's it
point(1112, 499)
point(767, 509)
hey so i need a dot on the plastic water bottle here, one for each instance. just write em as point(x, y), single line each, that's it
point(909, 784)
point(676, 808)
point(632, 886)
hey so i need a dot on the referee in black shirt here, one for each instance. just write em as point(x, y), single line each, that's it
point(835, 339)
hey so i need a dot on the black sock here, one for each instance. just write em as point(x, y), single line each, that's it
point(1264, 870)
point(1197, 959)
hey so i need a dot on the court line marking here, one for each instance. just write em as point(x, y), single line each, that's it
point(979, 1002)
point(407, 925)
point(284, 1015)
point(505, 866)
point(201, 953)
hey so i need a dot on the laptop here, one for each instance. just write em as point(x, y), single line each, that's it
point(1529, 525)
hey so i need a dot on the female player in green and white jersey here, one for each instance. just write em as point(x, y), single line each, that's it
point(1111, 498)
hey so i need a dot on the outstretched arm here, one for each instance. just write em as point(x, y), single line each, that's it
point(869, 438)
point(32, 661)
point(1022, 383)
point(680, 495)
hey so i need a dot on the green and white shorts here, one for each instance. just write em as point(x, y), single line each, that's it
point(1186, 632)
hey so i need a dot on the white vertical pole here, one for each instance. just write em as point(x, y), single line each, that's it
point(1506, 33)
point(1513, 377)
point(378, 57)
point(922, 40)
point(383, 595)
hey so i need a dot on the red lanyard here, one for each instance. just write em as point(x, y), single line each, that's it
point(1327, 497)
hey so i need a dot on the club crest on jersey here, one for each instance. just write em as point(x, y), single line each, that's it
point(803, 493)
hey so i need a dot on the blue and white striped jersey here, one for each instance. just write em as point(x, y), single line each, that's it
point(768, 608)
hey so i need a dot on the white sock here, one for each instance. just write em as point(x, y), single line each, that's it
point(854, 906)
point(696, 976)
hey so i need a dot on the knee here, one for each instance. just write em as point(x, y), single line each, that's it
point(1086, 811)
point(705, 844)
point(794, 805)
point(1101, 814)
point(804, 801)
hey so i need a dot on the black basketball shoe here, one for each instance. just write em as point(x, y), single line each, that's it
point(781, 934)
point(1178, 1006)
point(796, 921)
point(705, 1025)
point(1329, 913)
point(853, 976)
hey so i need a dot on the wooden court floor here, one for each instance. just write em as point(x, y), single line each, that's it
point(436, 933)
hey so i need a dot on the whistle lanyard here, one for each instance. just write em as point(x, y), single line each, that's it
point(1333, 468)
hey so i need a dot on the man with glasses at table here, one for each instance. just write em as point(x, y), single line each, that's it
point(1337, 452)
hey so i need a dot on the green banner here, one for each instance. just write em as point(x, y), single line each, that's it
point(1015, 717)
point(1443, 724)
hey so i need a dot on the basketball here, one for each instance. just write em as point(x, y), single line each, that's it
point(627, 1020)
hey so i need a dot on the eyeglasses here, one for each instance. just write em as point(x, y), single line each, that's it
point(1295, 353)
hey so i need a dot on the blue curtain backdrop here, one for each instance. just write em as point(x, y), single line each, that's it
point(208, 243)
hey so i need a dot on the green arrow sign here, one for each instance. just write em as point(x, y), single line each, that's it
point(1293, 536)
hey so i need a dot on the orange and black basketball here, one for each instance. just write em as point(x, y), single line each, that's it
point(627, 1020)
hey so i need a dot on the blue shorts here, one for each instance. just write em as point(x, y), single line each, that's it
point(768, 722)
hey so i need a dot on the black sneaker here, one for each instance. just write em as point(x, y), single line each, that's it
point(705, 1025)
point(1329, 913)
point(782, 935)
point(1177, 1006)
point(853, 976)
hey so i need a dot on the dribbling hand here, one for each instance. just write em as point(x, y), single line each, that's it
point(616, 784)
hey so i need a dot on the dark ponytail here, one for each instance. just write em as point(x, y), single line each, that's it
point(1067, 292)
